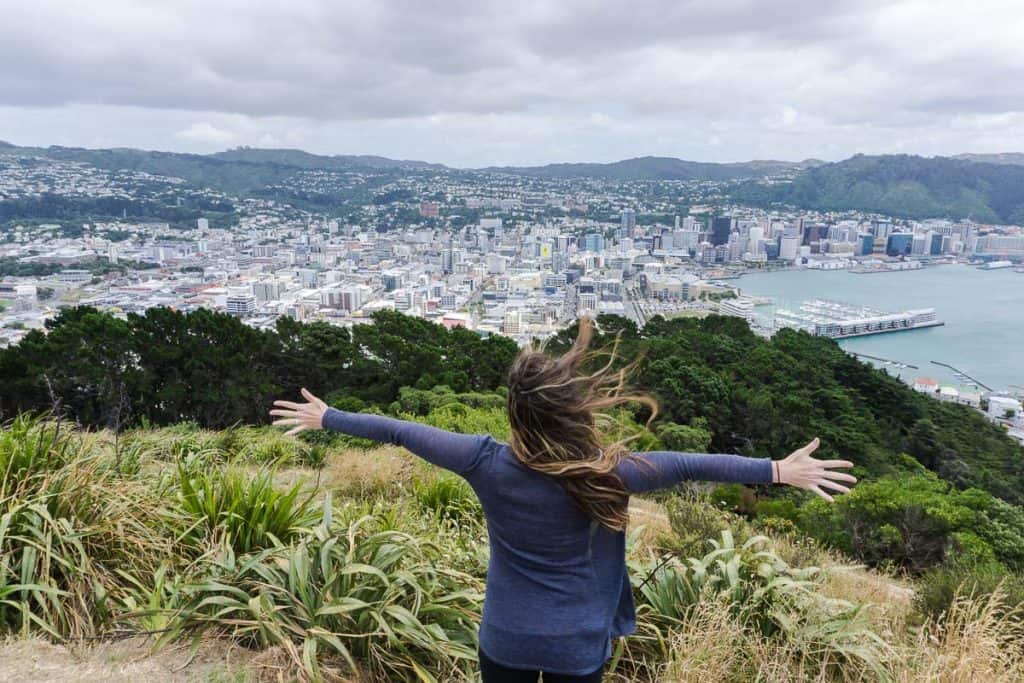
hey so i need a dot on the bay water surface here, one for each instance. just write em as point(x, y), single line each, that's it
point(983, 311)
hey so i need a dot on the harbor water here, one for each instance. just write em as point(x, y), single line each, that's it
point(983, 311)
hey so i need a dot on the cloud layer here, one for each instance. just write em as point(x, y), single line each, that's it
point(487, 82)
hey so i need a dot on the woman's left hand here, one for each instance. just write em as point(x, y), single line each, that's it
point(300, 416)
point(799, 469)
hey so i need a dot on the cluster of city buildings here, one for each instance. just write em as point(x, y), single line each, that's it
point(524, 265)
point(509, 272)
point(492, 252)
point(999, 408)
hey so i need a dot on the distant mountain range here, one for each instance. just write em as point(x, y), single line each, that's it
point(984, 187)
point(659, 168)
point(190, 166)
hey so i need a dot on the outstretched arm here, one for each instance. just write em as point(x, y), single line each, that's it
point(662, 469)
point(643, 472)
point(459, 453)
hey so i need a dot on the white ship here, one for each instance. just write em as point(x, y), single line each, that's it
point(824, 318)
point(996, 265)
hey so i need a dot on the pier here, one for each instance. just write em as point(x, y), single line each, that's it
point(884, 360)
point(961, 373)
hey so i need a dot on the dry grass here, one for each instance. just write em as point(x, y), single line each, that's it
point(707, 647)
point(358, 474)
point(890, 599)
point(127, 661)
point(976, 641)
point(651, 516)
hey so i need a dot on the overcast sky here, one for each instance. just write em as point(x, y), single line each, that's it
point(481, 82)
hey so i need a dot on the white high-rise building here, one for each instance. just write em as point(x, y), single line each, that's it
point(587, 302)
point(789, 247)
point(754, 243)
point(241, 304)
point(267, 290)
point(495, 264)
point(203, 224)
point(512, 322)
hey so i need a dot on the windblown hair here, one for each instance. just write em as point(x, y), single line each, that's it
point(554, 406)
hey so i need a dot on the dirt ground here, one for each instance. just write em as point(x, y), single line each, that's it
point(126, 661)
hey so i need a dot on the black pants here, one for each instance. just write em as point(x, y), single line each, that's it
point(496, 673)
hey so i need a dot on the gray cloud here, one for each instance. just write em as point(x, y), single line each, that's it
point(496, 82)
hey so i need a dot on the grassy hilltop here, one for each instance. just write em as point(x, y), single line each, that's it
point(159, 513)
point(321, 559)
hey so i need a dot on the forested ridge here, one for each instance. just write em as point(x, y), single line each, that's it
point(904, 186)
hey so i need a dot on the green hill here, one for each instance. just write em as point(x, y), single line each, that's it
point(903, 186)
point(300, 159)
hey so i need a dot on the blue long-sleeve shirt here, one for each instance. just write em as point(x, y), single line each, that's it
point(557, 587)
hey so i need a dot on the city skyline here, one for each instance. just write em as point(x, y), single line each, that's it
point(480, 84)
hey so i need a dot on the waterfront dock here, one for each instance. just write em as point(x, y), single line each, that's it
point(837, 320)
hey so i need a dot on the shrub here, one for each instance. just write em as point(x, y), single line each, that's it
point(30, 449)
point(422, 402)
point(917, 522)
point(764, 593)
point(67, 519)
point(246, 510)
point(354, 592)
point(939, 588)
point(692, 438)
point(457, 417)
point(694, 521)
point(448, 496)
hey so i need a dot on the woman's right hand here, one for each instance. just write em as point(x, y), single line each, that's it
point(300, 416)
point(799, 469)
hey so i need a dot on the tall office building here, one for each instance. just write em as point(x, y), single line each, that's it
point(628, 223)
point(267, 290)
point(721, 227)
point(789, 247)
point(754, 241)
point(593, 241)
point(899, 244)
point(512, 322)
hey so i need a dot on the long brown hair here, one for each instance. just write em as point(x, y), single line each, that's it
point(554, 406)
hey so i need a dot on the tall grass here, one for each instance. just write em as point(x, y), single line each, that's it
point(67, 521)
point(765, 597)
point(447, 496)
point(980, 638)
point(243, 509)
point(191, 532)
point(369, 598)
